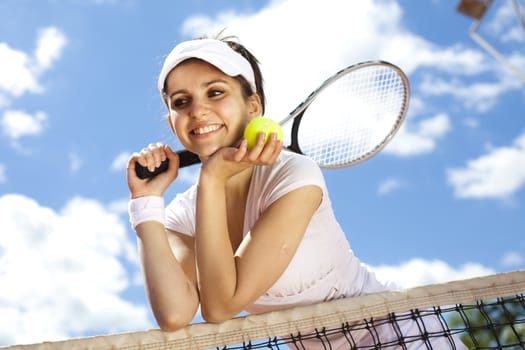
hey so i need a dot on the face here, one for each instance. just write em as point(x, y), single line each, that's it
point(209, 109)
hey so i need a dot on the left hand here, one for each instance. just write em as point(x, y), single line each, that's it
point(228, 161)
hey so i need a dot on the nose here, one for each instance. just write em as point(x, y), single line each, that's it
point(199, 108)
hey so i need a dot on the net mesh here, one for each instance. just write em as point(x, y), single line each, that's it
point(481, 313)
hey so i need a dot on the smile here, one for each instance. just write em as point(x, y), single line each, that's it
point(206, 129)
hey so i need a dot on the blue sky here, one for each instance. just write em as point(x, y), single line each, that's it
point(445, 200)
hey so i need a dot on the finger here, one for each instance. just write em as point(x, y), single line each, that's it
point(254, 153)
point(241, 152)
point(137, 157)
point(146, 159)
point(269, 149)
point(133, 159)
point(173, 157)
point(158, 152)
point(277, 150)
point(168, 151)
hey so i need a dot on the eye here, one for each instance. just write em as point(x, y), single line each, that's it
point(180, 102)
point(215, 92)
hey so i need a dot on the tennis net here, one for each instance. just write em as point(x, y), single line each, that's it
point(485, 313)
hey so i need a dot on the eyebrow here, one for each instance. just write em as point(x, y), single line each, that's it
point(206, 84)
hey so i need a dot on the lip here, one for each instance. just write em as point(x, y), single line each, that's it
point(205, 130)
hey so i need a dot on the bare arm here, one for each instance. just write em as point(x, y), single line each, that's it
point(169, 272)
point(169, 275)
point(229, 281)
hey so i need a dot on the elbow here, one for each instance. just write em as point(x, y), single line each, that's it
point(172, 322)
point(171, 315)
point(215, 315)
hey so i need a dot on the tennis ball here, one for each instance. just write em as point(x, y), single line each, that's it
point(261, 124)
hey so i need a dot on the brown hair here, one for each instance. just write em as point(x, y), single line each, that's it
point(254, 63)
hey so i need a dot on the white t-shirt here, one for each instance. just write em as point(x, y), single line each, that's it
point(323, 267)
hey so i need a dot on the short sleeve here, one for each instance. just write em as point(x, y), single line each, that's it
point(292, 172)
point(180, 213)
point(297, 171)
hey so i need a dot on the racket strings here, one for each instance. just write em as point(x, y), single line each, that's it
point(354, 116)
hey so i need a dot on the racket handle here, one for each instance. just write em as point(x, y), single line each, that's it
point(186, 158)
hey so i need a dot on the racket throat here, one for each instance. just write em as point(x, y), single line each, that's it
point(294, 146)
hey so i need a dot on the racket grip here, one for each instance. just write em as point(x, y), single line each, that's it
point(186, 158)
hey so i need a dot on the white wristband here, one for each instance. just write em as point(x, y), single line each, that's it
point(147, 208)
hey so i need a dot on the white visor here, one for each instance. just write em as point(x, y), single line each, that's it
point(215, 52)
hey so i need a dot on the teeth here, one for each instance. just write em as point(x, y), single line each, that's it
point(206, 129)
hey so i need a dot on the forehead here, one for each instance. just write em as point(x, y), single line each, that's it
point(193, 70)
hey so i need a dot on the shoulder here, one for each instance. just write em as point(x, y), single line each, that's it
point(293, 167)
point(185, 198)
point(289, 156)
point(289, 172)
point(180, 212)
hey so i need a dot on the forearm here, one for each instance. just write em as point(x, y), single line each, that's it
point(214, 253)
point(172, 295)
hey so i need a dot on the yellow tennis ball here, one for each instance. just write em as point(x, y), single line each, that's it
point(261, 124)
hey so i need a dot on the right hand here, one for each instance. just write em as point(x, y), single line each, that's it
point(151, 157)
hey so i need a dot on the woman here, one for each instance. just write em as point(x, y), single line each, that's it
point(257, 231)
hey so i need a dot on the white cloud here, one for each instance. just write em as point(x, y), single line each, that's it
point(19, 72)
point(498, 174)
point(388, 186)
point(417, 53)
point(106, 2)
point(471, 123)
point(479, 96)
point(436, 126)
point(75, 162)
point(119, 206)
point(121, 161)
point(419, 138)
point(189, 175)
point(16, 75)
point(50, 43)
point(313, 52)
point(16, 124)
point(513, 260)
point(420, 272)
point(514, 34)
point(62, 273)
point(4, 102)
point(3, 176)
point(505, 24)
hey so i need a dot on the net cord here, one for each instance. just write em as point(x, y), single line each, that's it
point(302, 319)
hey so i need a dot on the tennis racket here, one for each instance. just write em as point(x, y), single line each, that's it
point(350, 118)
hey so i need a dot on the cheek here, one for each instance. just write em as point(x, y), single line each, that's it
point(178, 125)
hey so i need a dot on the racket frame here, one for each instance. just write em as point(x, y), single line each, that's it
point(298, 112)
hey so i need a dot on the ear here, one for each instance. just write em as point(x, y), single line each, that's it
point(171, 121)
point(254, 106)
point(171, 114)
